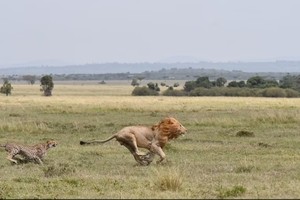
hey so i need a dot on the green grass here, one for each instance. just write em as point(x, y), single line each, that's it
point(210, 161)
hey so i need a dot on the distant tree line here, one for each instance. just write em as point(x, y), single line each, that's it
point(257, 86)
point(287, 86)
point(174, 73)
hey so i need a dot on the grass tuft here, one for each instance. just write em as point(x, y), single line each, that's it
point(170, 179)
point(244, 133)
point(244, 169)
point(235, 191)
point(60, 169)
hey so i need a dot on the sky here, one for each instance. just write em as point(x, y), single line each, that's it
point(62, 32)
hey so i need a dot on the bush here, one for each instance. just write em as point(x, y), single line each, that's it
point(176, 84)
point(224, 91)
point(47, 85)
point(153, 86)
point(144, 91)
point(273, 92)
point(244, 92)
point(200, 91)
point(6, 88)
point(163, 84)
point(291, 93)
point(245, 134)
point(172, 92)
point(236, 191)
point(279, 92)
point(102, 82)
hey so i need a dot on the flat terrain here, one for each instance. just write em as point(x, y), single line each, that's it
point(210, 161)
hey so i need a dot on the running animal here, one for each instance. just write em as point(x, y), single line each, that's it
point(34, 153)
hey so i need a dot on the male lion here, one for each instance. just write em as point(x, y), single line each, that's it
point(152, 138)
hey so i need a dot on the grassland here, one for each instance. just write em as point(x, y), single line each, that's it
point(209, 162)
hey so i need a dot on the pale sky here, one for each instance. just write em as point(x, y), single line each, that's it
point(59, 32)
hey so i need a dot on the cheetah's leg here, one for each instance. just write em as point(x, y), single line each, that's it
point(10, 157)
point(38, 160)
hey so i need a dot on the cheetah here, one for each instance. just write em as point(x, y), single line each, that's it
point(30, 153)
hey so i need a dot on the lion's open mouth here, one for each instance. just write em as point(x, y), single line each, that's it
point(182, 134)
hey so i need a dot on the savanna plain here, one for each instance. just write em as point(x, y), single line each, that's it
point(213, 160)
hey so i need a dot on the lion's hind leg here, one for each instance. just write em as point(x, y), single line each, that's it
point(130, 144)
point(148, 157)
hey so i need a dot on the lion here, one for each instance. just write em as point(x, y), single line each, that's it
point(152, 138)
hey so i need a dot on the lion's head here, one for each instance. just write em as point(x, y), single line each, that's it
point(169, 128)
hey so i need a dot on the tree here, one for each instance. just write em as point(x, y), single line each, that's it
point(29, 78)
point(47, 85)
point(6, 88)
point(134, 82)
point(237, 84)
point(289, 81)
point(220, 82)
point(176, 84)
point(140, 78)
point(233, 84)
point(271, 83)
point(260, 82)
point(189, 86)
point(153, 86)
point(256, 82)
point(203, 82)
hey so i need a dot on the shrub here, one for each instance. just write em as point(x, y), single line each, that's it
point(234, 192)
point(245, 134)
point(291, 93)
point(47, 85)
point(227, 91)
point(153, 86)
point(176, 84)
point(244, 169)
point(172, 92)
point(274, 92)
point(6, 88)
point(102, 82)
point(200, 91)
point(144, 91)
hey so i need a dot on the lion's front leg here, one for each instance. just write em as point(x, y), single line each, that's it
point(158, 150)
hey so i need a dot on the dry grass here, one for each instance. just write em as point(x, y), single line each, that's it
point(209, 162)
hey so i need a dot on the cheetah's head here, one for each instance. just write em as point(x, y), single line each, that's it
point(51, 143)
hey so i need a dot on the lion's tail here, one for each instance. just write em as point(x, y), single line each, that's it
point(97, 141)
